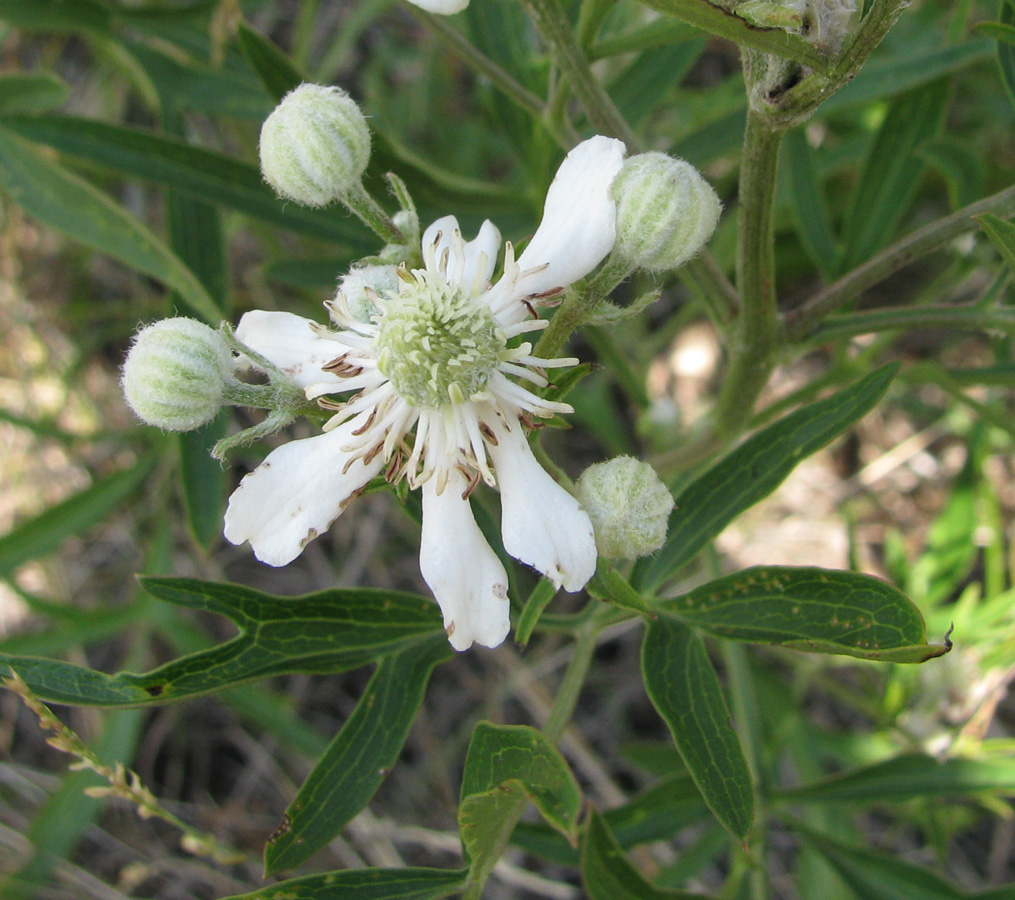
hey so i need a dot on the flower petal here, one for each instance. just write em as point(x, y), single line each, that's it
point(441, 7)
point(296, 493)
point(579, 225)
point(291, 343)
point(465, 575)
point(480, 254)
point(541, 523)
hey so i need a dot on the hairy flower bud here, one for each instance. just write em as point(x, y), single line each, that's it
point(362, 285)
point(665, 211)
point(315, 145)
point(628, 505)
point(175, 374)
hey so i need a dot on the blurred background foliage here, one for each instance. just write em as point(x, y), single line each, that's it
point(128, 135)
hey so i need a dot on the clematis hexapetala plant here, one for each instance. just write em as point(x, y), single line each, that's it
point(427, 384)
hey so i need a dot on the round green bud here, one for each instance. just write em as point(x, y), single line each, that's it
point(628, 505)
point(175, 374)
point(315, 145)
point(666, 211)
point(362, 285)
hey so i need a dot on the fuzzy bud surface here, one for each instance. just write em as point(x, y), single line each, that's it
point(666, 211)
point(175, 374)
point(315, 145)
point(629, 507)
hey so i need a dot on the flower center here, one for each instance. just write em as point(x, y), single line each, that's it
point(436, 344)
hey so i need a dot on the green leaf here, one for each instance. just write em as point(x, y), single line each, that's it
point(996, 31)
point(22, 92)
point(203, 479)
point(913, 775)
point(959, 165)
point(365, 884)
point(55, 15)
point(891, 174)
point(277, 72)
point(539, 599)
point(49, 529)
point(1006, 51)
point(329, 631)
point(204, 174)
point(810, 210)
point(63, 201)
point(505, 764)
point(752, 471)
point(1002, 235)
point(875, 876)
point(684, 689)
point(608, 875)
point(357, 760)
point(817, 610)
point(718, 21)
point(638, 90)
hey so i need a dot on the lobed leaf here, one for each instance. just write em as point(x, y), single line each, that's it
point(329, 631)
point(752, 471)
point(608, 875)
point(352, 768)
point(806, 608)
point(684, 689)
point(407, 883)
point(504, 764)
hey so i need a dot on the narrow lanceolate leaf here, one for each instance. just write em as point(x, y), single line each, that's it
point(752, 471)
point(365, 884)
point(277, 72)
point(70, 204)
point(506, 764)
point(818, 610)
point(356, 761)
point(330, 631)
point(715, 20)
point(891, 172)
point(55, 15)
point(608, 875)
point(201, 173)
point(45, 532)
point(22, 92)
point(1006, 51)
point(684, 689)
point(813, 219)
point(911, 776)
point(875, 876)
point(1002, 235)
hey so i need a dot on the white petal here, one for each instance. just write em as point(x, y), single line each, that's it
point(480, 254)
point(466, 577)
point(290, 343)
point(541, 523)
point(441, 7)
point(295, 494)
point(579, 225)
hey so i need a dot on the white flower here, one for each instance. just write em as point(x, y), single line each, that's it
point(433, 401)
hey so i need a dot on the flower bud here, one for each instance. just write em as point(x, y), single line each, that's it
point(175, 374)
point(315, 145)
point(628, 505)
point(665, 211)
point(361, 285)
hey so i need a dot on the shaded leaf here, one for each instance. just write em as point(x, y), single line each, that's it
point(806, 608)
point(22, 92)
point(357, 760)
point(55, 15)
point(329, 631)
point(365, 884)
point(1006, 51)
point(684, 689)
point(608, 875)
point(960, 166)
point(277, 72)
point(1002, 235)
point(810, 210)
point(752, 471)
point(68, 203)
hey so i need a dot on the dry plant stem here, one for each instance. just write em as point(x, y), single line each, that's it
point(560, 714)
point(805, 319)
point(555, 28)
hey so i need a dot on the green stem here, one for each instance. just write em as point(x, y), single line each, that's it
point(560, 714)
point(372, 214)
point(554, 26)
point(711, 286)
point(926, 240)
